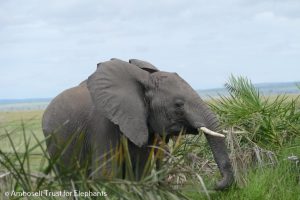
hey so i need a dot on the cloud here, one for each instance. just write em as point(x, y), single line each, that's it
point(50, 46)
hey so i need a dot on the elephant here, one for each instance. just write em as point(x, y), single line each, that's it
point(134, 100)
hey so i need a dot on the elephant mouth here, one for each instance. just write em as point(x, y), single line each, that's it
point(174, 129)
point(177, 129)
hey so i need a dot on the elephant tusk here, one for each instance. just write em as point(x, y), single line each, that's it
point(210, 132)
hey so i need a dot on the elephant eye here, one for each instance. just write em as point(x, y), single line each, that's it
point(178, 103)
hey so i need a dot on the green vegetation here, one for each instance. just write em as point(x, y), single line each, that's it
point(263, 136)
point(267, 121)
point(270, 181)
point(17, 122)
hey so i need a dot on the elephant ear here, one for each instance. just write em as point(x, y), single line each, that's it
point(144, 65)
point(117, 89)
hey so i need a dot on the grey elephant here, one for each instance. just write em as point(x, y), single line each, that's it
point(134, 100)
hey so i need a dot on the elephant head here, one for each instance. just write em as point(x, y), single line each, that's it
point(138, 98)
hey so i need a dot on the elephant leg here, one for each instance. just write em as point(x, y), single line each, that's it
point(139, 158)
point(105, 163)
point(105, 140)
point(100, 165)
point(68, 154)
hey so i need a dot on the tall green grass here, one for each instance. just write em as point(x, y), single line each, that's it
point(278, 182)
point(168, 182)
point(263, 135)
point(260, 130)
point(267, 121)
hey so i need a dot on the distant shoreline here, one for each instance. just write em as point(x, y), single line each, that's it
point(7, 105)
point(30, 100)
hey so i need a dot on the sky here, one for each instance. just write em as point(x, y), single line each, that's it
point(49, 46)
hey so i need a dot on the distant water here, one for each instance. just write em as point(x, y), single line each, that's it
point(7, 105)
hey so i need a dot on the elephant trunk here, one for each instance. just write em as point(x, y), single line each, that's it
point(204, 117)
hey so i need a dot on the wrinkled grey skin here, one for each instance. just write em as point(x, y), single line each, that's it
point(133, 99)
